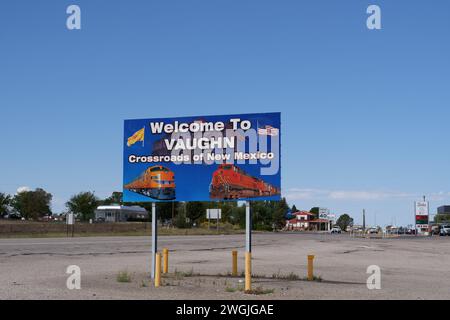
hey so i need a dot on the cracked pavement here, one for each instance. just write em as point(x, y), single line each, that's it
point(411, 268)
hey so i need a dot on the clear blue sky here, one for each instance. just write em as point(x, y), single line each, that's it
point(365, 113)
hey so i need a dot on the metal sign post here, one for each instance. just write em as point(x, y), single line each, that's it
point(215, 214)
point(154, 239)
point(248, 227)
point(248, 247)
point(70, 221)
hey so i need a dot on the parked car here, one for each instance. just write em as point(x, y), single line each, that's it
point(14, 216)
point(435, 230)
point(445, 230)
point(45, 218)
point(336, 229)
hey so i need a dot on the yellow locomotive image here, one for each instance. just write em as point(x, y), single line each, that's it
point(156, 182)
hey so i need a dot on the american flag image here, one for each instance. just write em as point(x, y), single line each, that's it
point(268, 131)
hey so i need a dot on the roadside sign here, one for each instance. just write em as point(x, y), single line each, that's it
point(70, 220)
point(421, 220)
point(422, 208)
point(203, 158)
point(324, 213)
point(214, 214)
point(421, 214)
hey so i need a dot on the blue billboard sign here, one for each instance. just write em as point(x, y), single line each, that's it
point(204, 158)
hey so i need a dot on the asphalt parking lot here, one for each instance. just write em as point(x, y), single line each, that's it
point(411, 267)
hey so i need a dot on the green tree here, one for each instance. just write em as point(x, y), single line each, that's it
point(315, 211)
point(115, 198)
point(344, 221)
point(180, 218)
point(439, 218)
point(265, 214)
point(279, 212)
point(239, 213)
point(83, 204)
point(167, 210)
point(294, 209)
point(33, 204)
point(228, 211)
point(262, 213)
point(5, 201)
point(195, 210)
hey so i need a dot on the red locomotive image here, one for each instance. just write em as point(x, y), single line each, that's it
point(231, 182)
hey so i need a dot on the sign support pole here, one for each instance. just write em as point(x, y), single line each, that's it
point(248, 227)
point(154, 239)
point(415, 218)
point(248, 247)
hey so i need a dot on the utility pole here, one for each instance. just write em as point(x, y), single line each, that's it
point(430, 230)
point(364, 220)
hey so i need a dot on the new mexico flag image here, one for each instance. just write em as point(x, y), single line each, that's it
point(136, 137)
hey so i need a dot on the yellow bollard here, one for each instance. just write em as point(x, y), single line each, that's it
point(310, 267)
point(166, 260)
point(158, 270)
point(248, 271)
point(234, 270)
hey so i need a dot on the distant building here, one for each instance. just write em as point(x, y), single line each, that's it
point(116, 213)
point(306, 221)
point(443, 210)
point(301, 221)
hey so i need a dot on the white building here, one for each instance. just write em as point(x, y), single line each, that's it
point(116, 213)
point(305, 221)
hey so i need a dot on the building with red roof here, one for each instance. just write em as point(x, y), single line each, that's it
point(305, 220)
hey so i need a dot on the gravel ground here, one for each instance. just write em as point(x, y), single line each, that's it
point(411, 267)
